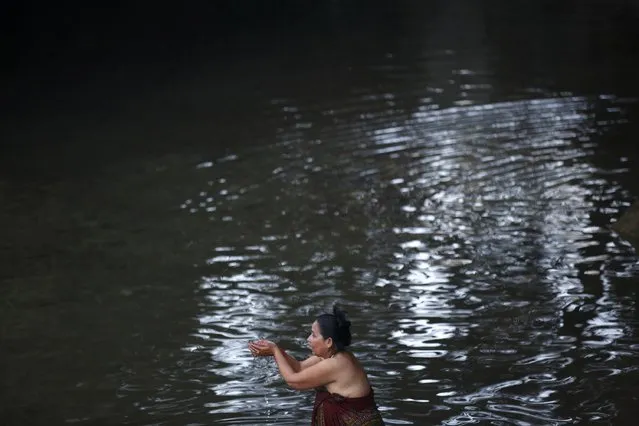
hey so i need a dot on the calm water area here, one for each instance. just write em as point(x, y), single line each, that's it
point(447, 171)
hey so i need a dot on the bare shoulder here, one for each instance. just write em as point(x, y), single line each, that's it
point(351, 379)
point(347, 356)
point(346, 359)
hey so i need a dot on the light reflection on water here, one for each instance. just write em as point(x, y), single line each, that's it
point(459, 240)
point(461, 218)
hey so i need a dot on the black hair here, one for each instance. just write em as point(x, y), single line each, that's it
point(335, 326)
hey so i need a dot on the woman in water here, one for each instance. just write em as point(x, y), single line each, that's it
point(344, 395)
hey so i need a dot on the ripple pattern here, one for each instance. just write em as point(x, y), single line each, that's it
point(461, 239)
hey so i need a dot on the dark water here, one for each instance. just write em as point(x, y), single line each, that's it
point(447, 172)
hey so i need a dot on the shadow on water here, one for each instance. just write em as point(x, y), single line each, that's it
point(447, 171)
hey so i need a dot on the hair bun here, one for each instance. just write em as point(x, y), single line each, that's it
point(340, 317)
point(343, 325)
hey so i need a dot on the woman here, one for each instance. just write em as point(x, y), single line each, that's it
point(344, 395)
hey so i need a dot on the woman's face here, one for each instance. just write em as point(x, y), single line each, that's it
point(319, 345)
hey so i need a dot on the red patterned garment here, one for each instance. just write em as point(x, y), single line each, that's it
point(335, 410)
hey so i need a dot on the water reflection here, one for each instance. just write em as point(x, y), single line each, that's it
point(448, 176)
point(460, 238)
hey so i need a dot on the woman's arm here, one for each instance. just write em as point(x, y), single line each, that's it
point(318, 374)
point(265, 348)
point(297, 365)
point(294, 363)
point(309, 362)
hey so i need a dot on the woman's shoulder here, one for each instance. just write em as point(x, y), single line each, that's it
point(352, 381)
point(346, 358)
point(346, 354)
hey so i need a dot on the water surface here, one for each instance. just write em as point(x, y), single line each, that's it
point(453, 190)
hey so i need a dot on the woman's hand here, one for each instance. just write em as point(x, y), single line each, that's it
point(262, 347)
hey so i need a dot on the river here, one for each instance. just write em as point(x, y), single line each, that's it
point(447, 172)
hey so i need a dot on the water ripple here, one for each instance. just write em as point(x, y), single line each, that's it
point(467, 228)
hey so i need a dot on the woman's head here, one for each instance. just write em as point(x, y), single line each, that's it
point(330, 333)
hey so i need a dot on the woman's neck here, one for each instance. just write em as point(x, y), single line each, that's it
point(332, 354)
